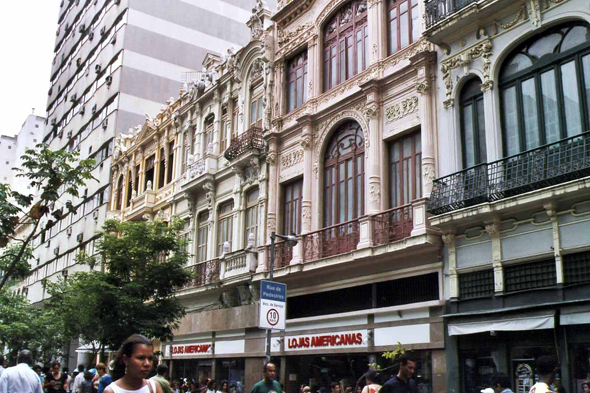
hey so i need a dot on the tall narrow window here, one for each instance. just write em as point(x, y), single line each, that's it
point(171, 163)
point(225, 226)
point(405, 170)
point(120, 191)
point(297, 81)
point(256, 110)
point(202, 237)
point(344, 175)
point(345, 44)
point(224, 129)
point(162, 169)
point(209, 131)
point(293, 197)
point(473, 127)
point(404, 24)
point(544, 88)
point(136, 183)
point(149, 172)
point(129, 188)
point(251, 216)
point(235, 120)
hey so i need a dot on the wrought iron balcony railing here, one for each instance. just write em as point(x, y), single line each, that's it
point(548, 165)
point(206, 273)
point(330, 241)
point(393, 224)
point(283, 255)
point(438, 10)
point(251, 139)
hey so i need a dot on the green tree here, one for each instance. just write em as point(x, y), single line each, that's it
point(54, 174)
point(142, 264)
point(23, 325)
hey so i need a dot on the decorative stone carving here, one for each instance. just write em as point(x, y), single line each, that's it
point(371, 111)
point(162, 216)
point(492, 229)
point(305, 142)
point(306, 216)
point(148, 217)
point(290, 159)
point(401, 109)
point(284, 37)
point(423, 87)
point(483, 50)
point(448, 238)
point(375, 193)
point(428, 176)
point(272, 224)
point(271, 157)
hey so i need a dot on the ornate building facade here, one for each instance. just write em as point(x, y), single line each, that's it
point(322, 126)
point(511, 199)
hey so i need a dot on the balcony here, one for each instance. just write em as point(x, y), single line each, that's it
point(446, 17)
point(392, 225)
point(549, 165)
point(330, 241)
point(248, 141)
point(238, 264)
point(194, 170)
point(206, 273)
point(283, 255)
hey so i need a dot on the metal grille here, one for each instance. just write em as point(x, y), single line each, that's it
point(437, 10)
point(330, 241)
point(391, 225)
point(407, 290)
point(556, 163)
point(476, 284)
point(251, 139)
point(524, 276)
point(577, 267)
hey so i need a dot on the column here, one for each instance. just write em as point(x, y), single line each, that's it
point(217, 123)
point(272, 190)
point(551, 209)
point(158, 157)
point(449, 240)
point(313, 62)
point(178, 153)
point(493, 229)
point(306, 205)
point(377, 31)
point(134, 175)
point(140, 187)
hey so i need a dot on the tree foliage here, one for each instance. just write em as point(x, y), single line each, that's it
point(54, 174)
point(23, 325)
point(142, 264)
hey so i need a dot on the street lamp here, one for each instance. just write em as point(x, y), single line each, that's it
point(290, 241)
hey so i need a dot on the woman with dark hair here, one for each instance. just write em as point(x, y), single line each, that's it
point(224, 387)
point(212, 386)
point(134, 362)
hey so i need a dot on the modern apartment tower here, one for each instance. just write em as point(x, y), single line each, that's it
point(116, 62)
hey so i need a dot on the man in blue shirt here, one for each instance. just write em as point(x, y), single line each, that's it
point(402, 382)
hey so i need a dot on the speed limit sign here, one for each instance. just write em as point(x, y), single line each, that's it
point(272, 317)
point(273, 305)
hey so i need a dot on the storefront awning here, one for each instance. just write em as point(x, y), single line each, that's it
point(506, 324)
point(575, 316)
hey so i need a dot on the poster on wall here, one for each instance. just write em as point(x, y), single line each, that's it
point(524, 378)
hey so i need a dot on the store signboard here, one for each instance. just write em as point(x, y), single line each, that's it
point(273, 305)
point(337, 340)
point(189, 350)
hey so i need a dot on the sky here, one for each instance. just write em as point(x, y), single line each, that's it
point(27, 37)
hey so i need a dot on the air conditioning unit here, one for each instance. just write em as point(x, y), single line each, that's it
point(81, 28)
point(73, 97)
point(91, 36)
point(60, 134)
point(69, 231)
point(95, 214)
point(56, 251)
point(103, 30)
point(80, 237)
point(69, 134)
point(94, 108)
point(97, 68)
point(57, 33)
point(105, 124)
point(109, 80)
point(82, 110)
point(53, 122)
point(114, 40)
point(78, 62)
point(64, 273)
point(117, 2)
point(50, 91)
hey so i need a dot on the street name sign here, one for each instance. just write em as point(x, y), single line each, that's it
point(273, 305)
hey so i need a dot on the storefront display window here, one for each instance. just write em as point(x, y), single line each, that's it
point(523, 366)
point(581, 367)
point(231, 371)
point(478, 368)
point(195, 370)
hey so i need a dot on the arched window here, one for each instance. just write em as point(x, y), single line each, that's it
point(344, 175)
point(545, 88)
point(346, 44)
point(251, 215)
point(225, 226)
point(256, 108)
point(202, 236)
point(473, 127)
point(404, 23)
point(209, 131)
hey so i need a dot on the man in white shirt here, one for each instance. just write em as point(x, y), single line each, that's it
point(21, 378)
point(78, 380)
point(546, 367)
point(2, 364)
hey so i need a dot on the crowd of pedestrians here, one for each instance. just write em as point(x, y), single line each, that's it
point(129, 370)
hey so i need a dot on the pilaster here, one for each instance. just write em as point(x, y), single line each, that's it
point(306, 143)
point(377, 39)
point(373, 155)
point(493, 229)
point(449, 240)
point(551, 209)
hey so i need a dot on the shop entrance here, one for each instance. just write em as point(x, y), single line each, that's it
point(193, 369)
